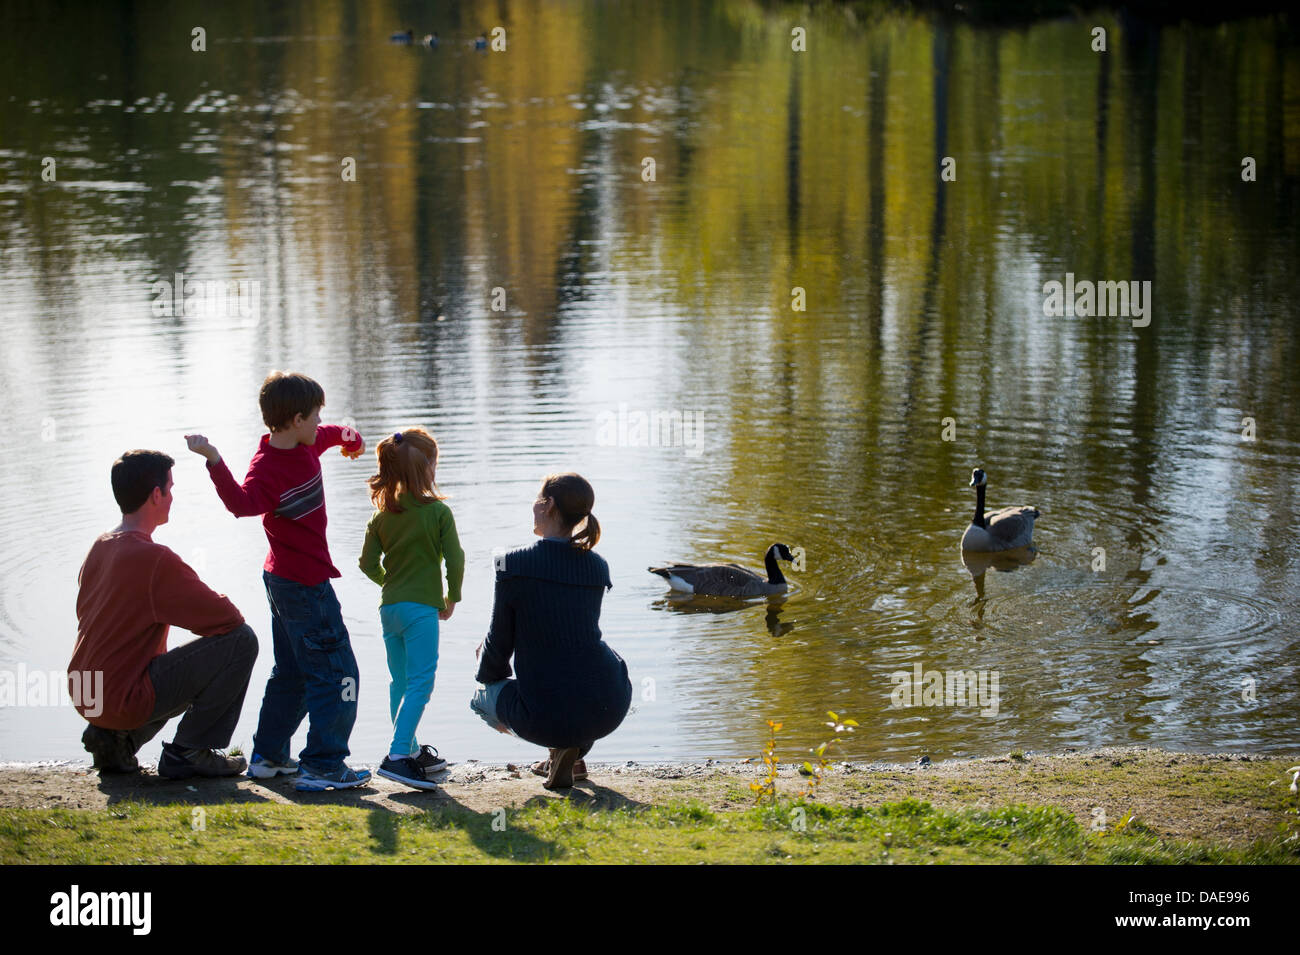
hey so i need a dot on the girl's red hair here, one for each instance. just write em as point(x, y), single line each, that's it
point(404, 461)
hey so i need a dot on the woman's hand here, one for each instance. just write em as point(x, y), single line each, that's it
point(446, 614)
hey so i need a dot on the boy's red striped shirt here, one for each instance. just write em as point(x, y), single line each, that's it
point(285, 487)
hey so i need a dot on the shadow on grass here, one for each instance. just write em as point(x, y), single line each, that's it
point(490, 832)
point(589, 795)
point(158, 791)
point(495, 832)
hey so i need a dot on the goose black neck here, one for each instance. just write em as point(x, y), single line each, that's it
point(978, 519)
point(774, 575)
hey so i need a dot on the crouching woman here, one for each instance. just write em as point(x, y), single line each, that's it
point(569, 688)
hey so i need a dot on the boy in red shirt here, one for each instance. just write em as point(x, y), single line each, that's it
point(130, 591)
point(315, 673)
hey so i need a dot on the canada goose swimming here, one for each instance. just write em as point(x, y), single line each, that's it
point(728, 580)
point(1001, 530)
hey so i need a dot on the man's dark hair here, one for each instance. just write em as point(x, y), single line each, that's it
point(136, 474)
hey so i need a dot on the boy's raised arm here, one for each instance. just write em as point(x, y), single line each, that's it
point(251, 498)
point(331, 435)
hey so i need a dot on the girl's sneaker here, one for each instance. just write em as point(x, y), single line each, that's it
point(259, 767)
point(310, 782)
point(429, 760)
point(405, 771)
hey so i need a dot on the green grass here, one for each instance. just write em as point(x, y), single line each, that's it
point(908, 831)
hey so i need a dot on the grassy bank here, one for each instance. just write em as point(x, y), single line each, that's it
point(1116, 805)
point(559, 830)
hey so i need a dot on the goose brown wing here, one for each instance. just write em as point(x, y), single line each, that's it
point(1011, 523)
point(719, 580)
point(727, 580)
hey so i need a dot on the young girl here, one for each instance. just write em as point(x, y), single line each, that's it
point(415, 532)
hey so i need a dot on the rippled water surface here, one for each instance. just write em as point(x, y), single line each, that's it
point(1162, 604)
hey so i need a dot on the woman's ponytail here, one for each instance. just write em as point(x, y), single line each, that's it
point(573, 499)
point(589, 536)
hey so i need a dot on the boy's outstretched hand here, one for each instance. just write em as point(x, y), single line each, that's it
point(354, 454)
point(200, 445)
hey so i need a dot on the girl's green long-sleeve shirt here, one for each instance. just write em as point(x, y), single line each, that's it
point(414, 544)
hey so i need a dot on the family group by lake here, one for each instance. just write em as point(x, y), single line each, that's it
point(566, 689)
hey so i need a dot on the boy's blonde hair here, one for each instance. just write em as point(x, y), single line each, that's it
point(404, 460)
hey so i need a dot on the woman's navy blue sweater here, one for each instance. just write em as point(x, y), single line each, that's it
point(570, 688)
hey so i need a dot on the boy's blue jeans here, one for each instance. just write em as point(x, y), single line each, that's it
point(315, 675)
point(411, 641)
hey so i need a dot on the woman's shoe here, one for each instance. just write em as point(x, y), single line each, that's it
point(561, 775)
point(543, 768)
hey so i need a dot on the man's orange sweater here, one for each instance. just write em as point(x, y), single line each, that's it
point(131, 591)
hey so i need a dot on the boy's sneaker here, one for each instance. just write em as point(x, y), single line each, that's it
point(428, 760)
point(177, 762)
point(405, 771)
point(259, 767)
point(111, 750)
point(312, 782)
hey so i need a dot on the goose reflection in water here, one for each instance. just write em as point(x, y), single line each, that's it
point(978, 563)
point(691, 603)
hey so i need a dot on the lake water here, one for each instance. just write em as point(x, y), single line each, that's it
point(508, 269)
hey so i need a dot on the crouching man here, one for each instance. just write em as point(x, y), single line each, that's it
point(131, 591)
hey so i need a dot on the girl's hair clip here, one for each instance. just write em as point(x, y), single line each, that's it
point(397, 437)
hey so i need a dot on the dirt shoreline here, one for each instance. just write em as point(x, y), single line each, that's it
point(1225, 798)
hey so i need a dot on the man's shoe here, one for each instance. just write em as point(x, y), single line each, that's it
point(405, 771)
point(312, 782)
point(561, 775)
point(177, 762)
point(259, 767)
point(428, 760)
point(110, 749)
point(543, 768)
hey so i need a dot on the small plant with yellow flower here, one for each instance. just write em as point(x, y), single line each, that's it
point(815, 771)
point(765, 788)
